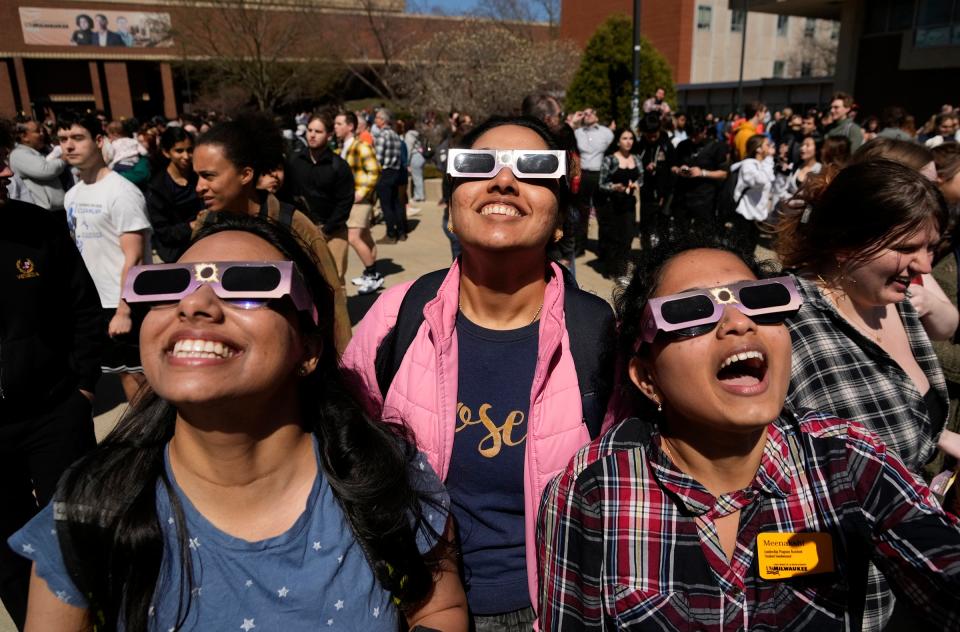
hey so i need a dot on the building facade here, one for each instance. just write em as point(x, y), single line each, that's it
point(127, 58)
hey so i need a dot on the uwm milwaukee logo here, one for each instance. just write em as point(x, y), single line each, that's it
point(26, 269)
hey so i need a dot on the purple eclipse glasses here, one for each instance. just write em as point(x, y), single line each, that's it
point(243, 284)
point(694, 313)
point(525, 163)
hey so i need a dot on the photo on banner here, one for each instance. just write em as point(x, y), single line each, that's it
point(94, 27)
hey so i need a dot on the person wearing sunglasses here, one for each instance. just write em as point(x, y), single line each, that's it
point(858, 245)
point(717, 506)
point(496, 361)
point(247, 488)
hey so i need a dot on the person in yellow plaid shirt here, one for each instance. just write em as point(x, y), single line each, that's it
point(366, 171)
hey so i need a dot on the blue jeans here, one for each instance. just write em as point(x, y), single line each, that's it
point(394, 215)
point(416, 171)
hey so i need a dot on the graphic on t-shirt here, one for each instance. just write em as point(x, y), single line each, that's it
point(497, 436)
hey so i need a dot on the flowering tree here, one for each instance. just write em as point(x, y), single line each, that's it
point(483, 68)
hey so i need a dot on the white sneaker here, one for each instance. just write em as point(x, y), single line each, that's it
point(413, 211)
point(360, 280)
point(370, 285)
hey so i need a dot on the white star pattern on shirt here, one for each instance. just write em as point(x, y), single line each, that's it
point(316, 546)
point(194, 543)
point(53, 532)
point(329, 621)
point(170, 520)
point(63, 596)
point(376, 612)
point(421, 465)
point(339, 604)
point(340, 559)
point(28, 548)
point(248, 625)
point(248, 583)
point(283, 592)
point(150, 611)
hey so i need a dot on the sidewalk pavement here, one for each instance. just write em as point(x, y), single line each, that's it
point(426, 250)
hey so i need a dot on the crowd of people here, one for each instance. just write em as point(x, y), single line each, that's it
point(736, 445)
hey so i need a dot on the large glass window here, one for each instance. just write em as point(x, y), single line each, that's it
point(737, 19)
point(783, 23)
point(806, 69)
point(778, 68)
point(934, 23)
point(934, 12)
point(704, 17)
point(809, 27)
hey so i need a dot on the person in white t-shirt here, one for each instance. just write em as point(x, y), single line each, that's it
point(108, 217)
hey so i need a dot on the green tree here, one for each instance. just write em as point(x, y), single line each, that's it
point(605, 76)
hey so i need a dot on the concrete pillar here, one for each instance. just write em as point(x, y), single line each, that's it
point(118, 89)
point(25, 103)
point(95, 86)
point(169, 93)
point(848, 47)
point(8, 103)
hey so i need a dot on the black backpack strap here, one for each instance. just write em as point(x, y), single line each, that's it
point(286, 212)
point(591, 329)
point(394, 346)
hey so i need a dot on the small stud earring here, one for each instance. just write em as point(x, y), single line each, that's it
point(302, 371)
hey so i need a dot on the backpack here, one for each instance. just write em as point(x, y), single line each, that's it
point(590, 345)
point(728, 200)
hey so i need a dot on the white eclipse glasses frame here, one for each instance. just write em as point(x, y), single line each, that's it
point(524, 163)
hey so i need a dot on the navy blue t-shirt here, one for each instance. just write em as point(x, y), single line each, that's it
point(485, 481)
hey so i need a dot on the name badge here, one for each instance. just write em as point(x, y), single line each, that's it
point(786, 555)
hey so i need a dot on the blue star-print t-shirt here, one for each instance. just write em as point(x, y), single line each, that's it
point(314, 576)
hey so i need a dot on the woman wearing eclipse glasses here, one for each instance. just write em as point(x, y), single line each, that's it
point(246, 489)
point(717, 507)
point(497, 363)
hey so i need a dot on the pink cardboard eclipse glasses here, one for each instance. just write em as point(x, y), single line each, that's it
point(694, 313)
point(244, 284)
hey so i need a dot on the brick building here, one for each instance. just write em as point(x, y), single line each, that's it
point(58, 53)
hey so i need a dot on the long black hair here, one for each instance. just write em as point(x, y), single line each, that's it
point(106, 514)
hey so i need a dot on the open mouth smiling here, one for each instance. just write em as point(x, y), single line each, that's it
point(744, 372)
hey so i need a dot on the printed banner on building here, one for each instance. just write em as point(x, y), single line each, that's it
point(94, 27)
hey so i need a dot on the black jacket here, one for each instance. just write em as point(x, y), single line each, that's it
point(326, 188)
point(171, 221)
point(51, 328)
point(658, 182)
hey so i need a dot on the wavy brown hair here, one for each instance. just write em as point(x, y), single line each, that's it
point(856, 212)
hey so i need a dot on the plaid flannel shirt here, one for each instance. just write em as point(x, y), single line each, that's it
point(366, 170)
point(628, 541)
point(839, 370)
point(387, 145)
